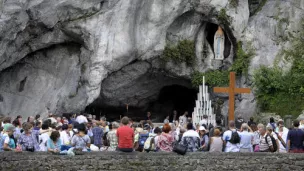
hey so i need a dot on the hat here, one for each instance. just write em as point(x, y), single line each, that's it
point(138, 130)
point(65, 127)
point(75, 130)
point(147, 126)
point(202, 128)
point(269, 127)
point(8, 127)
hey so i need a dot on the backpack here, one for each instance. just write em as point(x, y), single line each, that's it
point(273, 126)
point(150, 144)
point(105, 139)
point(274, 143)
point(142, 139)
point(235, 138)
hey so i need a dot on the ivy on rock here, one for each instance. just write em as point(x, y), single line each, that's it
point(283, 92)
point(184, 51)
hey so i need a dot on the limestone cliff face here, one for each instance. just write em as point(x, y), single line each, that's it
point(63, 55)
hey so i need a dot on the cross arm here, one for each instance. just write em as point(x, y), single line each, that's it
point(220, 90)
point(242, 90)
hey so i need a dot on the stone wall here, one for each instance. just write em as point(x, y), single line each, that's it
point(151, 161)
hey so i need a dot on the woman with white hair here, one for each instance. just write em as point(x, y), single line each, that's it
point(246, 139)
point(112, 137)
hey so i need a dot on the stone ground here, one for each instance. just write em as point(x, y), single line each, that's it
point(152, 161)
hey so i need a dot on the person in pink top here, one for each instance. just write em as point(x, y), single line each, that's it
point(165, 140)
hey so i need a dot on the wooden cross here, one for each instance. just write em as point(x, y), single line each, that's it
point(127, 107)
point(231, 90)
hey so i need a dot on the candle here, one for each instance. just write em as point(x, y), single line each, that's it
point(193, 114)
point(197, 117)
point(200, 93)
point(210, 107)
point(206, 89)
point(204, 85)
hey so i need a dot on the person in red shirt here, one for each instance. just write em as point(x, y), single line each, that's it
point(125, 136)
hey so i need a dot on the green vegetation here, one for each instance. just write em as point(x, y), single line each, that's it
point(221, 78)
point(242, 61)
point(223, 18)
point(282, 21)
point(234, 3)
point(184, 51)
point(212, 78)
point(283, 92)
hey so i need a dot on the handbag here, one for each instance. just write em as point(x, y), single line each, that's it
point(257, 148)
point(179, 149)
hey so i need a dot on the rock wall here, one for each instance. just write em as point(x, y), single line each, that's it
point(152, 161)
point(269, 32)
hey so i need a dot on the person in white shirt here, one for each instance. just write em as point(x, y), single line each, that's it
point(65, 135)
point(269, 129)
point(53, 120)
point(166, 120)
point(183, 120)
point(44, 137)
point(227, 136)
point(283, 134)
point(81, 119)
point(59, 122)
point(203, 121)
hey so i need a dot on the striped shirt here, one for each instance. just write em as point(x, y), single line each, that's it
point(263, 144)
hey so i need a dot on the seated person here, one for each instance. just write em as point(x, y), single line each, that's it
point(54, 143)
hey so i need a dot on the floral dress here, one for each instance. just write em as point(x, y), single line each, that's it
point(193, 143)
point(165, 142)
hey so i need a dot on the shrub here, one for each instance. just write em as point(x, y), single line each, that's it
point(184, 51)
point(234, 3)
point(223, 18)
point(212, 78)
point(242, 61)
point(283, 92)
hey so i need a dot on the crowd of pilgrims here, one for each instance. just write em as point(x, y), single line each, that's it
point(70, 134)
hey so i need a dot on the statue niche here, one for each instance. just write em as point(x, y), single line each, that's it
point(219, 44)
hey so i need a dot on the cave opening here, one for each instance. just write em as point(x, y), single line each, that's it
point(173, 97)
point(169, 98)
point(211, 29)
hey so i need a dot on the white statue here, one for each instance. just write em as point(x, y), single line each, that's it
point(219, 44)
